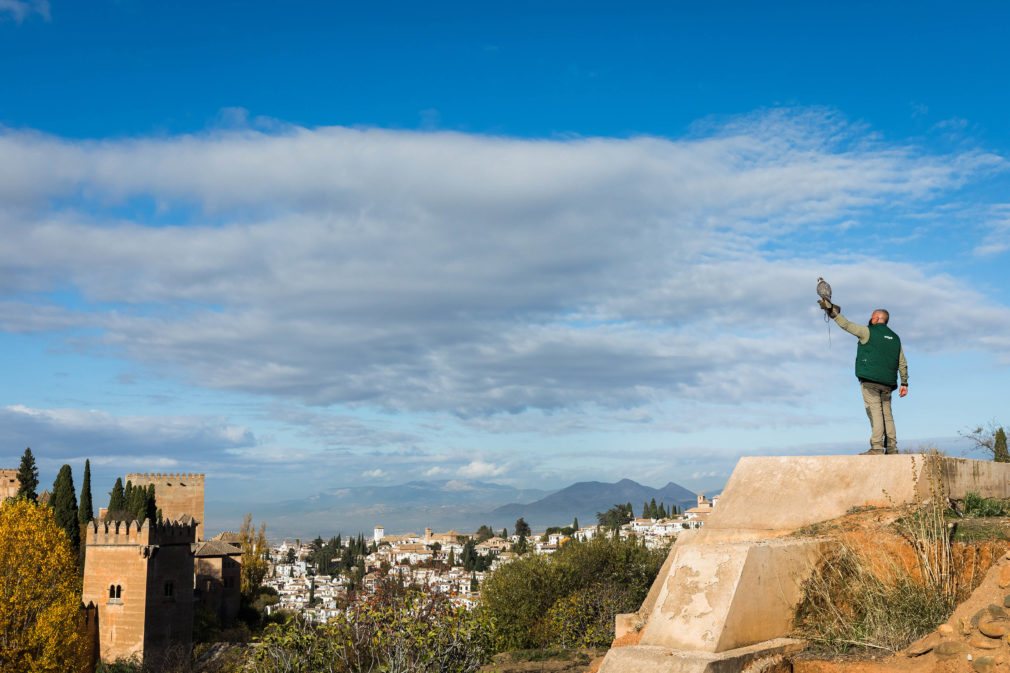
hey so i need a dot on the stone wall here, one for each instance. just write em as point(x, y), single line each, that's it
point(9, 483)
point(127, 569)
point(176, 495)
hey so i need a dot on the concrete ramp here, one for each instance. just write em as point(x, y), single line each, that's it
point(726, 594)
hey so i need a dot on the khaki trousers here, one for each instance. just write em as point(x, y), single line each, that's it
point(877, 399)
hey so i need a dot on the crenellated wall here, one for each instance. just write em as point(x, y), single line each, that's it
point(177, 494)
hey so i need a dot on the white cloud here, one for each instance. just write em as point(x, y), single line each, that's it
point(479, 469)
point(77, 432)
point(373, 474)
point(472, 275)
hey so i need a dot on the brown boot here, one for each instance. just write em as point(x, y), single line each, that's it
point(873, 452)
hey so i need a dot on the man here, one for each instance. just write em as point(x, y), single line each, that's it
point(879, 362)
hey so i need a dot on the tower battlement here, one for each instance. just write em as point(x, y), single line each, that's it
point(133, 533)
point(176, 493)
point(155, 477)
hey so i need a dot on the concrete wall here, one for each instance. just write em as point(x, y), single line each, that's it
point(729, 589)
point(176, 495)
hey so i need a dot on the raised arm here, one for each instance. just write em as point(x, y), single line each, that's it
point(862, 332)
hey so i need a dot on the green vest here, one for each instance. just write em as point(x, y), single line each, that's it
point(877, 359)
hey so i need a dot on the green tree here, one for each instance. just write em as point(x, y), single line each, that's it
point(615, 517)
point(64, 505)
point(86, 512)
point(575, 523)
point(1000, 454)
point(117, 500)
point(504, 533)
point(484, 533)
point(522, 528)
point(28, 476)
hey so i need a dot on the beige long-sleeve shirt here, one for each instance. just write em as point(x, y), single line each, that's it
point(862, 332)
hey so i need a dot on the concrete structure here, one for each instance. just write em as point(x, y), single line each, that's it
point(9, 483)
point(141, 579)
point(378, 533)
point(218, 574)
point(726, 594)
point(177, 495)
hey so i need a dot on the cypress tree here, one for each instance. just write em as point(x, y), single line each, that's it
point(64, 505)
point(504, 533)
point(646, 512)
point(86, 512)
point(151, 509)
point(575, 523)
point(661, 510)
point(28, 476)
point(116, 499)
point(654, 512)
point(1000, 454)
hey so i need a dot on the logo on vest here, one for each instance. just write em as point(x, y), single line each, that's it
point(889, 337)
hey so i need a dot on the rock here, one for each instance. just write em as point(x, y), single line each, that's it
point(945, 629)
point(979, 616)
point(1006, 601)
point(984, 665)
point(993, 628)
point(924, 645)
point(983, 643)
point(1004, 576)
point(949, 649)
point(998, 612)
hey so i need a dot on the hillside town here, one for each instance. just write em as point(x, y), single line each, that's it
point(429, 561)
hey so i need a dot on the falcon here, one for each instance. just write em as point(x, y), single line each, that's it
point(823, 290)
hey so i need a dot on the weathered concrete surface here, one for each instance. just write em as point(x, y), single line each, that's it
point(655, 659)
point(735, 583)
point(724, 596)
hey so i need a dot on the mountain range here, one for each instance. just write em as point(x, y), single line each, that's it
point(442, 505)
point(585, 498)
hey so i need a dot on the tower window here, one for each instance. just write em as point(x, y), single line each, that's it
point(119, 591)
point(169, 589)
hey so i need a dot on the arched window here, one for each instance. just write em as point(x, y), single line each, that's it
point(119, 591)
point(112, 591)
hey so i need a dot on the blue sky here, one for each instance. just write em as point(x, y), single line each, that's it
point(317, 245)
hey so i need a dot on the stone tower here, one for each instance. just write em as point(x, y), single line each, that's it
point(9, 483)
point(177, 495)
point(141, 579)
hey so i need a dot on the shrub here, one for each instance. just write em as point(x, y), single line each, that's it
point(977, 506)
point(422, 633)
point(541, 601)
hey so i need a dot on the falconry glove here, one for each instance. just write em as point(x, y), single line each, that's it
point(831, 309)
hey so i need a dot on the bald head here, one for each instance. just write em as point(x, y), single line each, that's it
point(880, 316)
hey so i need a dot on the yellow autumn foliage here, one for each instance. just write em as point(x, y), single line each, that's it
point(39, 593)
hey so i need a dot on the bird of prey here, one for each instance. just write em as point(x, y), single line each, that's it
point(823, 290)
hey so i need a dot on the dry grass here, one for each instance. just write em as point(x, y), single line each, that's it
point(881, 588)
